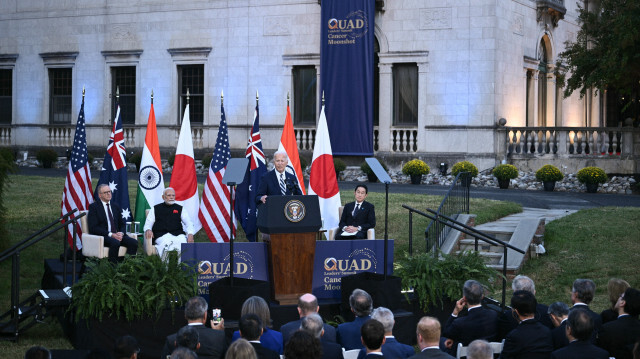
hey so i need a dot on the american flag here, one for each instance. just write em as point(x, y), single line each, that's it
point(77, 186)
point(214, 208)
point(246, 194)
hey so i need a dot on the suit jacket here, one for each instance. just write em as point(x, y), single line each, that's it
point(375, 356)
point(270, 339)
point(392, 349)
point(608, 315)
point(619, 336)
point(432, 353)
point(98, 222)
point(270, 186)
point(331, 350)
point(264, 353)
point(288, 329)
point(365, 218)
point(507, 322)
point(348, 334)
point(579, 349)
point(213, 343)
point(559, 336)
point(530, 340)
point(479, 323)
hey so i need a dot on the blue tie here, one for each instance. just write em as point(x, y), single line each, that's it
point(355, 210)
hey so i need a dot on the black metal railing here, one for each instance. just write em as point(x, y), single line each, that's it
point(14, 253)
point(455, 202)
point(476, 234)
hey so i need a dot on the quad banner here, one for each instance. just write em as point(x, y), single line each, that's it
point(333, 260)
point(346, 76)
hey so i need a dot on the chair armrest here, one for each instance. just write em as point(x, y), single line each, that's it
point(92, 245)
point(331, 233)
point(371, 233)
point(149, 248)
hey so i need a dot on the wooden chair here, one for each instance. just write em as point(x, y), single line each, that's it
point(93, 245)
point(149, 248)
point(495, 346)
point(371, 233)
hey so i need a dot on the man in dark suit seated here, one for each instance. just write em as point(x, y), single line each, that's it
point(313, 324)
point(213, 343)
point(507, 321)
point(277, 182)
point(619, 336)
point(559, 312)
point(479, 323)
point(530, 339)
point(251, 329)
point(579, 330)
point(348, 334)
point(357, 217)
point(105, 220)
point(582, 293)
point(307, 304)
point(391, 348)
point(428, 335)
point(372, 333)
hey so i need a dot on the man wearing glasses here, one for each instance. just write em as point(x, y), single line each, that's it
point(105, 220)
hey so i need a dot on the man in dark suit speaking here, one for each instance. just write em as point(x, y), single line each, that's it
point(277, 182)
point(357, 217)
point(102, 222)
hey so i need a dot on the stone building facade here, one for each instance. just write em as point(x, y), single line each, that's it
point(461, 68)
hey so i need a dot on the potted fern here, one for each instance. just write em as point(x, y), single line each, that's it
point(415, 169)
point(505, 173)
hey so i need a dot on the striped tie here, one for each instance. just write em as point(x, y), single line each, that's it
point(283, 188)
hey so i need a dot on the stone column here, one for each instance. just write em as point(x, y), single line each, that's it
point(423, 68)
point(385, 107)
point(533, 99)
point(551, 100)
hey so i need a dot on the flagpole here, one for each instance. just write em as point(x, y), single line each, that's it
point(231, 239)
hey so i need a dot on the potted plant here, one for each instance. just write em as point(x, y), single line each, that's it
point(592, 177)
point(369, 172)
point(505, 173)
point(339, 166)
point(439, 278)
point(548, 175)
point(416, 168)
point(136, 159)
point(465, 166)
point(206, 161)
point(46, 157)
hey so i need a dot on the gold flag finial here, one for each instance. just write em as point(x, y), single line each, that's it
point(117, 93)
point(287, 98)
point(82, 91)
point(322, 98)
point(221, 97)
point(187, 95)
point(152, 96)
point(257, 97)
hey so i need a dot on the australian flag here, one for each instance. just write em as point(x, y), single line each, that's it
point(246, 191)
point(114, 170)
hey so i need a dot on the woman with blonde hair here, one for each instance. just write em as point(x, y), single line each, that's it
point(615, 288)
point(271, 339)
point(241, 349)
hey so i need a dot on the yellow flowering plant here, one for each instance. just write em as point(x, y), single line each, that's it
point(464, 166)
point(505, 172)
point(592, 175)
point(549, 173)
point(415, 167)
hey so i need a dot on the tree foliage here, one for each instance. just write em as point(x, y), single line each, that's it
point(607, 49)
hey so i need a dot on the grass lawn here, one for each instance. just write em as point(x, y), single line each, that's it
point(578, 245)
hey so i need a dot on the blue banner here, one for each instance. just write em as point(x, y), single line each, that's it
point(337, 259)
point(333, 260)
point(212, 261)
point(346, 76)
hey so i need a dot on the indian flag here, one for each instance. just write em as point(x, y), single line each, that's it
point(150, 182)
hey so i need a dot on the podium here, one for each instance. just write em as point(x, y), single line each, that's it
point(292, 223)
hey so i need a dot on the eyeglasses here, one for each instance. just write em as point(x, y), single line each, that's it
point(106, 192)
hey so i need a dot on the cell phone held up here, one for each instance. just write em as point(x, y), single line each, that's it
point(216, 315)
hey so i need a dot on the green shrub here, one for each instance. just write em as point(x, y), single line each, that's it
point(171, 159)
point(206, 160)
point(548, 173)
point(47, 157)
point(139, 287)
point(6, 167)
point(464, 166)
point(415, 167)
point(303, 162)
point(339, 165)
point(442, 276)
point(505, 171)
point(8, 154)
point(592, 175)
point(368, 171)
